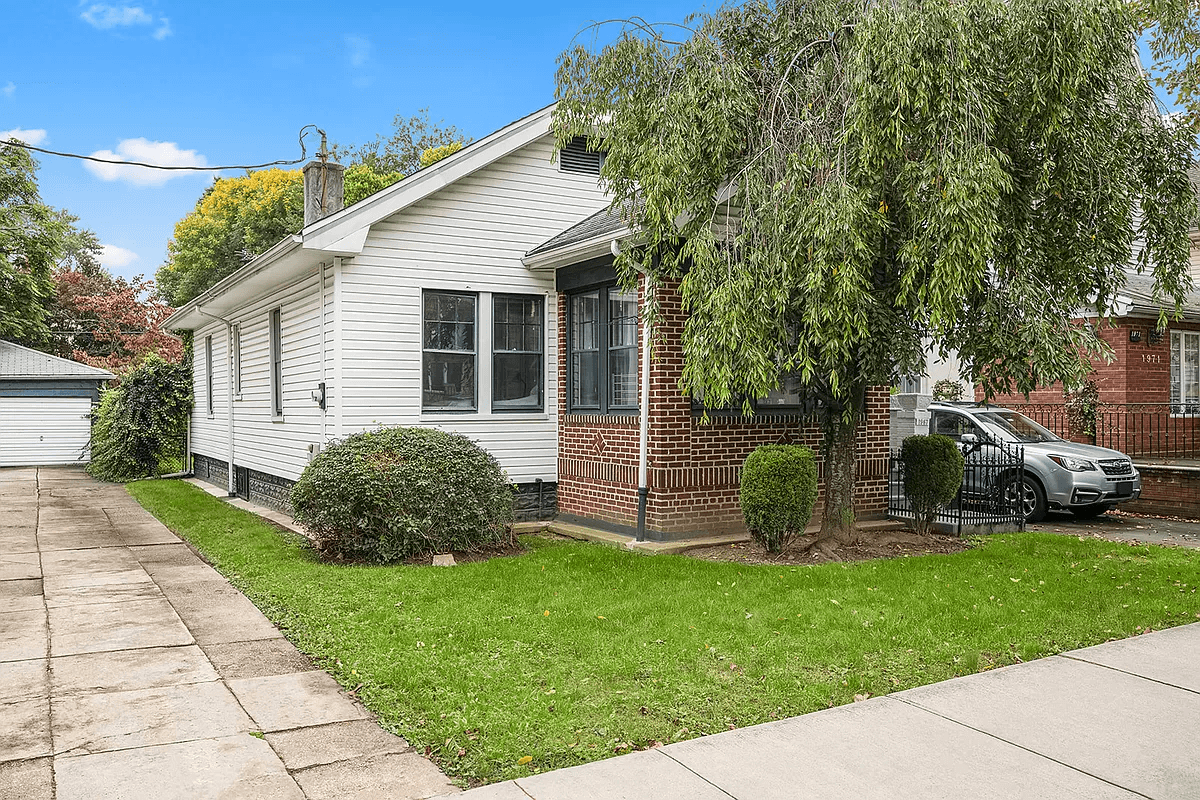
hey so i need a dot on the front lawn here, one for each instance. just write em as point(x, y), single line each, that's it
point(573, 652)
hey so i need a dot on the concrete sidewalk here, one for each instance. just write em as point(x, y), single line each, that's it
point(1120, 720)
point(131, 669)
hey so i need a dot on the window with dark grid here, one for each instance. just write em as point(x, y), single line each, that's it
point(517, 343)
point(448, 339)
point(603, 350)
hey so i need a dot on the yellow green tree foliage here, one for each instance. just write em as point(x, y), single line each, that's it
point(239, 218)
point(433, 155)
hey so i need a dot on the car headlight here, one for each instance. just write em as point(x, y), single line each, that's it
point(1073, 464)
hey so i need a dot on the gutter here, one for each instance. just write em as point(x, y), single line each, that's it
point(259, 263)
point(231, 486)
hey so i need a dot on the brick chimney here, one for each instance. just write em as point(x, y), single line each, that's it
point(323, 190)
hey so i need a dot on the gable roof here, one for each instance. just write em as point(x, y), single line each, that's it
point(1136, 299)
point(17, 362)
point(345, 232)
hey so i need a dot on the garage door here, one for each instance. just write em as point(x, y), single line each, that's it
point(44, 430)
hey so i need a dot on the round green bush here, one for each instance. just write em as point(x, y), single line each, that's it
point(400, 493)
point(778, 490)
point(933, 473)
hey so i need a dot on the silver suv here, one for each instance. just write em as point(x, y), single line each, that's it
point(1081, 478)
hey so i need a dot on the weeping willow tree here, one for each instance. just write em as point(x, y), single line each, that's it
point(833, 182)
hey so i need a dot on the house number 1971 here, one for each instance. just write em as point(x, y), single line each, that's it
point(1148, 358)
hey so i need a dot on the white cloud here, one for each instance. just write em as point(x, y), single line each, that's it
point(105, 16)
point(358, 49)
point(163, 30)
point(166, 154)
point(113, 256)
point(34, 137)
point(9, 88)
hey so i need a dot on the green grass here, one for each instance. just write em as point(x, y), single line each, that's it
point(636, 649)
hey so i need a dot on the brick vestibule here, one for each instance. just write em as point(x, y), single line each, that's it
point(694, 465)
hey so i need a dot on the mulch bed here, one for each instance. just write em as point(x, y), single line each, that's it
point(900, 545)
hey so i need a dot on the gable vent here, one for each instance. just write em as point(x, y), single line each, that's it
point(575, 157)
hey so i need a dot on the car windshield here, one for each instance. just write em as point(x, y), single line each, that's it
point(1014, 426)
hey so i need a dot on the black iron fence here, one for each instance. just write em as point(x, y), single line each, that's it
point(992, 496)
point(1169, 431)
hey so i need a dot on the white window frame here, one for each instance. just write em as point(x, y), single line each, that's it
point(275, 366)
point(481, 343)
point(235, 349)
point(1180, 405)
point(208, 376)
point(540, 408)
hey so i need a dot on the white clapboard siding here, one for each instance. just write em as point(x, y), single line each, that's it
point(277, 446)
point(44, 430)
point(209, 433)
point(469, 236)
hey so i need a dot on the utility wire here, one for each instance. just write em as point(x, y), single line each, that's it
point(303, 155)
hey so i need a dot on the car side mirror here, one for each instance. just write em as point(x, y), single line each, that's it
point(969, 438)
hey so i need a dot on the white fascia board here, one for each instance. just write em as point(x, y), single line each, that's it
point(186, 317)
point(327, 232)
point(350, 245)
point(576, 252)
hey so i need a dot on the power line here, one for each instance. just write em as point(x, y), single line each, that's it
point(303, 155)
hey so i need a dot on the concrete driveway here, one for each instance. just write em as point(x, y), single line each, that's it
point(131, 669)
point(1124, 528)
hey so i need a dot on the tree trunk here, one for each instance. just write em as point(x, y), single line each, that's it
point(841, 453)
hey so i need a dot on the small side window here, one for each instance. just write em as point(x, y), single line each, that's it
point(276, 339)
point(208, 374)
point(236, 348)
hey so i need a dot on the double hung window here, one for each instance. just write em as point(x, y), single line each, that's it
point(1185, 372)
point(208, 374)
point(517, 344)
point(448, 337)
point(275, 329)
point(236, 347)
point(603, 350)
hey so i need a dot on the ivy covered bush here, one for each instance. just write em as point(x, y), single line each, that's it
point(933, 473)
point(400, 493)
point(778, 491)
point(139, 429)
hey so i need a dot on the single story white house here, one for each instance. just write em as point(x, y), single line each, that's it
point(478, 296)
point(412, 307)
point(45, 407)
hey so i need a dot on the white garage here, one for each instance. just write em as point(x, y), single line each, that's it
point(44, 407)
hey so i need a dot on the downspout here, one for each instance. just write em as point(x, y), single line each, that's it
point(324, 377)
point(232, 486)
point(644, 421)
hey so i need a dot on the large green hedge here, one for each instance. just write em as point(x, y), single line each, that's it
point(933, 473)
point(399, 493)
point(778, 490)
point(140, 426)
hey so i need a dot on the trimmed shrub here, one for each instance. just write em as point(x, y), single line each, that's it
point(399, 493)
point(933, 473)
point(778, 490)
point(140, 426)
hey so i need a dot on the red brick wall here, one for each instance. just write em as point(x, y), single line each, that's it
point(1139, 373)
point(1168, 491)
point(693, 466)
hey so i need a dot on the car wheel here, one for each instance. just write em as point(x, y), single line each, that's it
point(1026, 494)
point(1092, 511)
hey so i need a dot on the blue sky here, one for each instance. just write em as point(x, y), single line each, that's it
point(233, 83)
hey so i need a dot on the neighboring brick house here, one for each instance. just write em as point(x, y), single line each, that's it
point(693, 465)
